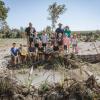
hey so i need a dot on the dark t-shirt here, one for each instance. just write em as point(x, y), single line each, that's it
point(31, 49)
point(59, 30)
point(28, 29)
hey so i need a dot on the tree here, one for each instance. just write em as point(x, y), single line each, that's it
point(3, 11)
point(55, 11)
point(5, 30)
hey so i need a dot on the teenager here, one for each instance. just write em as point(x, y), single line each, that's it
point(32, 52)
point(40, 51)
point(22, 53)
point(66, 43)
point(14, 54)
point(44, 39)
point(67, 31)
point(74, 43)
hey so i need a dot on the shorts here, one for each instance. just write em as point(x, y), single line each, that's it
point(74, 45)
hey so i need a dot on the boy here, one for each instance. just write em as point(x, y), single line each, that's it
point(44, 39)
point(14, 54)
point(32, 51)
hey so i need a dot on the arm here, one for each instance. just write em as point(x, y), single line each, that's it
point(12, 52)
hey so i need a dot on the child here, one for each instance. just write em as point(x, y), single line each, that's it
point(66, 43)
point(40, 51)
point(22, 53)
point(14, 54)
point(32, 51)
point(44, 39)
point(48, 51)
point(74, 43)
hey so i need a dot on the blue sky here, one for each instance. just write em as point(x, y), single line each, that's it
point(80, 14)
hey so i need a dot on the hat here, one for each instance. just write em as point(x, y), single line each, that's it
point(66, 26)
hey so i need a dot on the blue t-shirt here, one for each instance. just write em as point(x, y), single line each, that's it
point(31, 49)
point(14, 51)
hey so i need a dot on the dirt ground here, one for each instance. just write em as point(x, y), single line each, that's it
point(84, 48)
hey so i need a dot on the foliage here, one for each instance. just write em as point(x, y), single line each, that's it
point(54, 11)
point(3, 10)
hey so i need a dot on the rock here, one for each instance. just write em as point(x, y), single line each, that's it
point(29, 97)
point(18, 97)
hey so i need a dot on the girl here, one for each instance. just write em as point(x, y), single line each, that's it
point(74, 43)
point(66, 43)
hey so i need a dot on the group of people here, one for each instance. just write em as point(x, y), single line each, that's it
point(42, 47)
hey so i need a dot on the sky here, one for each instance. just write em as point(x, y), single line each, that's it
point(80, 14)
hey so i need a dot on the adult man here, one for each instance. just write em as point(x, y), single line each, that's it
point(30, 33)
point(59, 34)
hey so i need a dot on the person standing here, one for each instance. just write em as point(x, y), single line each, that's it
point(44, 39)
point(67, 31)
point(59, 34)
point(30, 31)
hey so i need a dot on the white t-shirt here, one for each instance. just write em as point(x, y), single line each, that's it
point(74, 41)
point(44, 38)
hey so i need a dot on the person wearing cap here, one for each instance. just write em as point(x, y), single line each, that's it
point(30, 30)
point(67, 31)
point(59, 34)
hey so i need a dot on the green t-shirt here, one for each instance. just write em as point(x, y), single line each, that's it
point(67, 32)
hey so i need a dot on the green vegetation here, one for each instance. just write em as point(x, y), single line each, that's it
point(55, 11)
point(3, 11)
